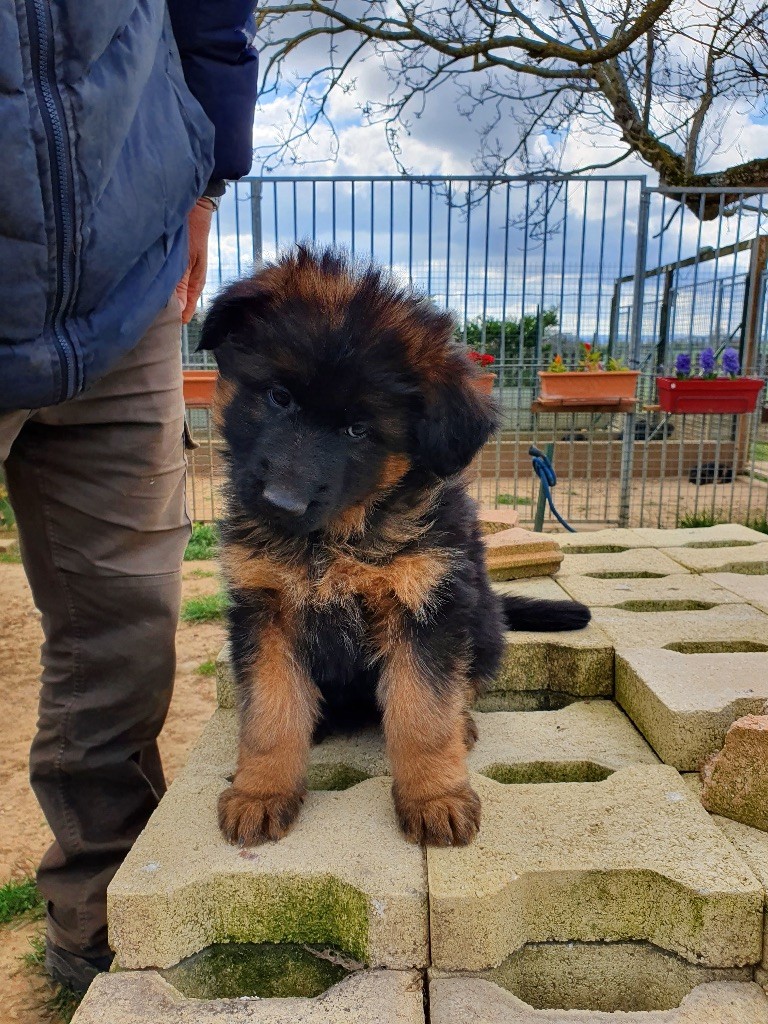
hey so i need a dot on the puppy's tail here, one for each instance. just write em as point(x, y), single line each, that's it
point(531, 613)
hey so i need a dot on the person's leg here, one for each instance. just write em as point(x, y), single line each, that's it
point(98, 489)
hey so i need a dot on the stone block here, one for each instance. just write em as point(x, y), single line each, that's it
point(544, 587)
point(721, 535)
point(726, 628)
point(226, 696)
point(736, 777)
point(517, 554)
point(142, 997)
point(641, 563)
point(683, 590)
point(633, 858)
point(753, 589)
point(475, 1001)
point(494, 520)
point(595, 542)
point(684, 704)
point(585, 741)
point(343, 877)
point(542, 671)
point(751, 560)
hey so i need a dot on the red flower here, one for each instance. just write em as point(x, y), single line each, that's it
point(587, 347)
point(481, 358)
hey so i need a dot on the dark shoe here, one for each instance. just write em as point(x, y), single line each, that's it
point(75, 972)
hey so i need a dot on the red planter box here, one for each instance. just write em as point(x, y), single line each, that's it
point(198, 388)
point(724, 394)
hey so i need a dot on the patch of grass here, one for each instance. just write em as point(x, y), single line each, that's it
point(203, 544)
point(10, 556)
point(208, 668)
point(695, 520)
point(60, 1002)
point(204, 609)
point(18, 898)
point(761, 451)
point(201, 574)
point(758, 522)
point(514, 499)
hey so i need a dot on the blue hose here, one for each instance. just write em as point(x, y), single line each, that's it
point(543, 469)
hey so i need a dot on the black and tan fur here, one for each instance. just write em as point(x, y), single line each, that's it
point(350, 546)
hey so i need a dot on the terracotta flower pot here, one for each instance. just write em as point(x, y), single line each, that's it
point(198, 388)
point(721, 395)
point(574, 387)
point(484, 382)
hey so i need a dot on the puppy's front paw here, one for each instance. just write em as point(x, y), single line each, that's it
point(248, 819)
point(451, 819)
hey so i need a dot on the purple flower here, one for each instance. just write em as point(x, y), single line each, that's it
point(731, 362)
point(683, 365)
point(707, 363)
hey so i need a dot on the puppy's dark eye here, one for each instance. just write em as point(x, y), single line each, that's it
point(356, 430)
point(279, 397)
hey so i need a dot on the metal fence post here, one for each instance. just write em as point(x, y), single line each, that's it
point(628, 440)
point(256, 239)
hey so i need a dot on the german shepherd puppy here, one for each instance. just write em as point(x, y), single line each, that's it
point(350, 547)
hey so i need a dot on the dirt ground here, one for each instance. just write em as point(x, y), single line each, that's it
point(23, 833)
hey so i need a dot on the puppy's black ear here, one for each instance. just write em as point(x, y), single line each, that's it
point(241, 303)
point(457, 418)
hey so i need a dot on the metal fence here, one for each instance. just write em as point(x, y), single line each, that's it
point(531, 267)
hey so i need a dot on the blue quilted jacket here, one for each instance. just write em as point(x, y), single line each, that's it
point(114, 115)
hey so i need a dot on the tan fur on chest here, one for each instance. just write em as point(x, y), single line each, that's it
point(411, 579)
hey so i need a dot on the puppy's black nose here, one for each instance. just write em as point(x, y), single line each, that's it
point(284, 500)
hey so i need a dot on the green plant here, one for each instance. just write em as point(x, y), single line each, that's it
point(11, 555)
point(761, 451)
point(203, 544)
point(514, 499)
point(207, 668)
point(18, 898)
point(204, 609)
point(694, 520)
point(758, 522)
point(7, 517)
point(490, 340)
point(61, 1002)
point(201, 574)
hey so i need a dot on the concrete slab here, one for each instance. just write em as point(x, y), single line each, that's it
point(753, 589)
point(585, 741)
point(473, 1001)
point(723, 534)
point(750, 561)
point(612, 540)
point(684, 704)
point(369, 997)
point(635, 857)
point(517, 554)
point(344, 876)
point(640, 563)
point(542, 671)
point(681, 588)
point(727, 628)
point(736, 777)
point(545, 587)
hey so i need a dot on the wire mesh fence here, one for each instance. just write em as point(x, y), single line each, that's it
point(531, 268)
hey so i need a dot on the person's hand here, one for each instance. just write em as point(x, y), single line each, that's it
point(190, 287)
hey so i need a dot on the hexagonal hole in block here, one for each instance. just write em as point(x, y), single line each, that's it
point(606, 976)
point(626, 575)
point(666, 606)
point(717, 647)
point(546, 771)
point(232, 970)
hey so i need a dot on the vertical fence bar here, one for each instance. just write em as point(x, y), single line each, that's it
point(628, 441)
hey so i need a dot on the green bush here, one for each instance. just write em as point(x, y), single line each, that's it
point(17, 898)
point(203, 544)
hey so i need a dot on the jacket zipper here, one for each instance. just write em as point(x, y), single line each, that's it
point(52, 113)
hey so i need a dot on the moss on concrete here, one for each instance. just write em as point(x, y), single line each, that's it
point(229, 970)
point(665, 606)
point(717, 647)
point(626, 575)
point(334, 776)
point(547, 771)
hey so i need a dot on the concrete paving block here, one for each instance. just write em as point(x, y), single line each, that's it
point(727, 628)
point(639, 563)
point(721, 535)
point(494, 520)
point(344, 876)
point(752, 845)
point(610, 541)
point(753, 589)
point(635, 857)
point(680, 590)
point(750, 561)
point(142, 997)
point(517, 554)
point(736, 777)
point(586, 741)
point(684, 704)
point(226, 696)
point(545, 587)
point(542, 671)
point(474, 1001)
